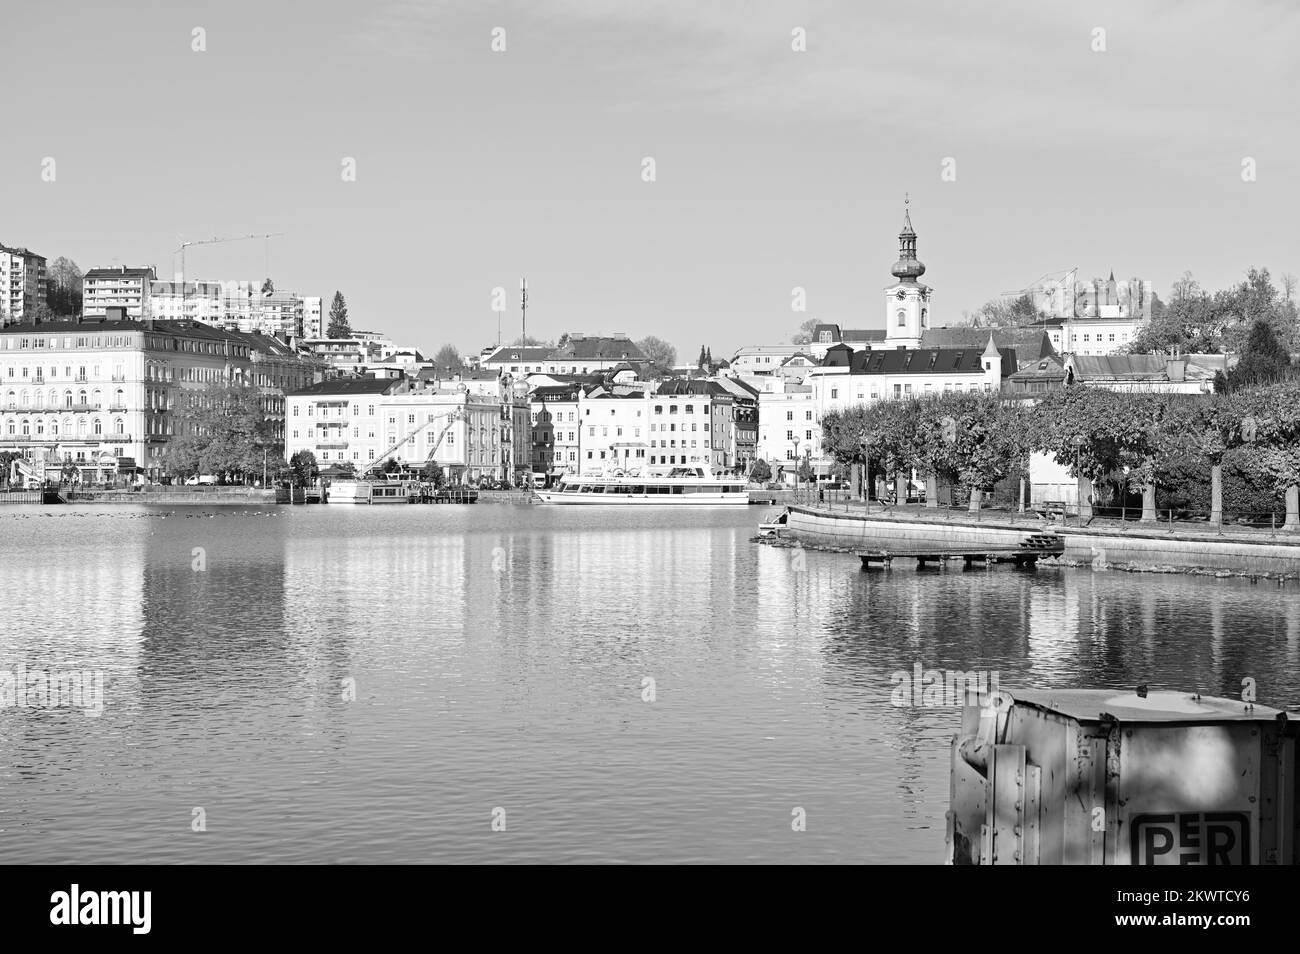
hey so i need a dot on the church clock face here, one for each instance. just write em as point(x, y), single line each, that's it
point(901, 295)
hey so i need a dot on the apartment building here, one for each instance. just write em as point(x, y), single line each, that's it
point(130, 289)
point(555, 431)
point(22, 283)
point(103, 394)
point(361, 420)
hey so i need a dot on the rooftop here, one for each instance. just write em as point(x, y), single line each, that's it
point(362, 385)
point(928, 361)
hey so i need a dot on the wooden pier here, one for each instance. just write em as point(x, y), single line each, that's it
point(1025, 554)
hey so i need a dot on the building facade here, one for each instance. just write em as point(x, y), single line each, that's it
point(22, 284)
point(127, 288)
point(105, 395)
point(360, 420)
point(580, 354)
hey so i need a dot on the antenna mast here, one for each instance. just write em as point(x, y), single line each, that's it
point(523, 312)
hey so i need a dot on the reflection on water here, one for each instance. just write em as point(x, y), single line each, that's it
point(499, 657)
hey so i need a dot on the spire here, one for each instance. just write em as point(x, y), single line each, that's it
point(991, 350)
point(908, 268)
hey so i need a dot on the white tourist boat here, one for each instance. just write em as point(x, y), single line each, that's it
point(678, 487)
point(372, 491)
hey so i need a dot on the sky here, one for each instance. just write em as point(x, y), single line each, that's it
point(774, 169)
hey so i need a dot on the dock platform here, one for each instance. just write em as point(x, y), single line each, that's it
point(1025, 554)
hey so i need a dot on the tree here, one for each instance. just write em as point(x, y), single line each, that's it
point(221, 430)
point(761, 472)
point(448, 358)
point(302, 468)
point(1185, 288)
point(40, 312)
point(805, 333)
point(1264, 360)
point(268, 288)
point(433, 472)
point(63, 287)
point(1006, 313)
point(7, 459)
point(659, 353)
point(1188, 324)
point(528, 341)
point(338, 322)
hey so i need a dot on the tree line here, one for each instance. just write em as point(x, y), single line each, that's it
point(1189, 448)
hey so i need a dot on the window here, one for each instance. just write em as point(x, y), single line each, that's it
point(835, 393)
point(789, 415)
point(902, 319)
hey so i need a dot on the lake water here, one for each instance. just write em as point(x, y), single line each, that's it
point(499, 659)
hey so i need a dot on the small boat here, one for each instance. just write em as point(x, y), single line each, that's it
point(372, 491)
point(679, 487)
point(774, 527)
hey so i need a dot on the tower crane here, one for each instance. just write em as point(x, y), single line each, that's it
point(216, 240)
point(458, 414)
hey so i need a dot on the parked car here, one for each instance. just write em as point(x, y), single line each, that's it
point(201, 480)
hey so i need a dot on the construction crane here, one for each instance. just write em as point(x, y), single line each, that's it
point(457, 415)
point(218, 241)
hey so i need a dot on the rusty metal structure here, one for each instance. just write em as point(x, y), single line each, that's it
point(1103, 777)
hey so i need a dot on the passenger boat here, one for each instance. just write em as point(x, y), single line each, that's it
point(373, 492)
point(678, 487)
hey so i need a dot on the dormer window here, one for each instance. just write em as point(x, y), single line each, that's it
point(825, 336)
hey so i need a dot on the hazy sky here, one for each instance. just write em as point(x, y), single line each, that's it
point(774, 168)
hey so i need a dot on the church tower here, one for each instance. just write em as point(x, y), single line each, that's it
point(907, 301)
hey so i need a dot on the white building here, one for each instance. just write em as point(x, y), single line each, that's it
point(614, 429)
point(358, 421)
point(194, 301)
point(120, 287)
point(580, 354)
point(762, 359)
point(22, 283)
point(102, 395)
point(313, 317)
point(789, 427)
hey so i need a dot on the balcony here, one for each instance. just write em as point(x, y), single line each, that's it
point(117, 407)
point(119, 379)
point(331, 445)
point(114, 438)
